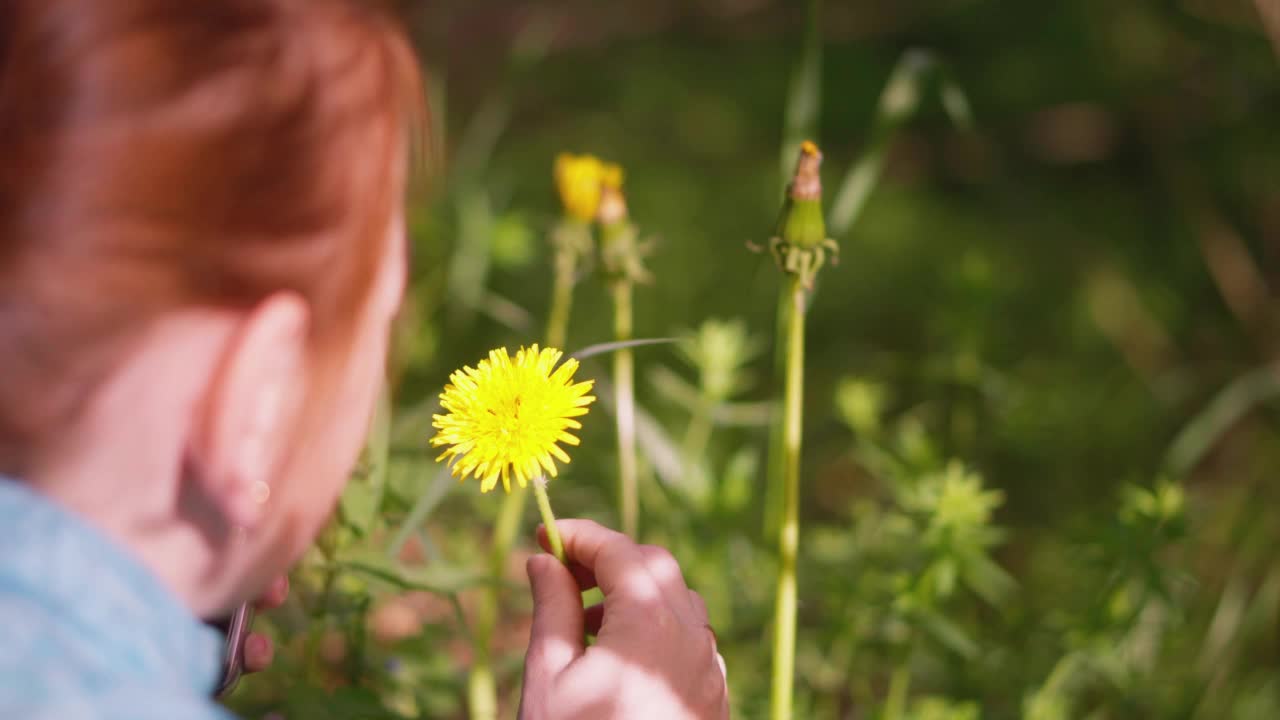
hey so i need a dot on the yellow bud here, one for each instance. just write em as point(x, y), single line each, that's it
point(611, 175)
point(578, 179)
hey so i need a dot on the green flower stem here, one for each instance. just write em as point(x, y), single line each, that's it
point(482, 690)
point(624, 397)
point(571, 237)
point(896, 703)
point(777, 433)
point(548, 519)
point(481, 685)
point(784, 626)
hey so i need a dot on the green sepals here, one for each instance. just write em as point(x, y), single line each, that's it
point(622, 253)
point(803, 226)
point(801, 244)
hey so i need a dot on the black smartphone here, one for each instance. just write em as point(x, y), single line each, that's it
point(236, 629)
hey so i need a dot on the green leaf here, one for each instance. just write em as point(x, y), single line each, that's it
point(439, 577)
point(948, 633)
point(990, 581)
point(739, 479)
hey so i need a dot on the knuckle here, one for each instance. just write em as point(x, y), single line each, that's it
point(662, 563)
point(657, 553)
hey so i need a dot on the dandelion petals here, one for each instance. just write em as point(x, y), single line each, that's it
point(506, 415)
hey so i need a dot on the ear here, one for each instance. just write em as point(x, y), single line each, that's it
point(241, 431)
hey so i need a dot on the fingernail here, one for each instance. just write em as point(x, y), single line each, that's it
point(533, 566)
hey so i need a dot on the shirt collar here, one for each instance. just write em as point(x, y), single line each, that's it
point(92, 583)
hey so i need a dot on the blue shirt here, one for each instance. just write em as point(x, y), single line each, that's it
point(87, 632)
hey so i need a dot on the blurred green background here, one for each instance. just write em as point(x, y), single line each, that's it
point(1040, 428)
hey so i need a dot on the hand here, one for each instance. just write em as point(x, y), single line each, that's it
point(655, 654)
point(258, 650)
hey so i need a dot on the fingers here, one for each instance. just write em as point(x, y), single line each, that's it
point(275, 594)
point(616, 562)
point(258, 652)
point(701, 617)
point(556, 637)
point(586, 579)
point(666, 572)
point(593, 617)
point(700, 608)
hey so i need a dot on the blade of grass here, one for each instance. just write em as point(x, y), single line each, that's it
point(804, 96)
point(1231, 404)
point(898, 103)
point(608, 347)
point(422, 508)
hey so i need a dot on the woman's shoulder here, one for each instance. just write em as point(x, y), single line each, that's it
point(86, 632)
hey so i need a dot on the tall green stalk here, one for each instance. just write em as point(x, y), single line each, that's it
point(800, 121)
point(899, 101)
point(800, 247)
point(566, 268)
point(895, 703)
point(776, 467)
point(620, 254)
point(784, 626)
point(624, 399)
point(482, 691)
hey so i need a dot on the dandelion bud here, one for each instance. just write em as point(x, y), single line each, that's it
point(802, 224)
point(806, 184)
point(578, 180)
point(800, 244)
point(613, 207)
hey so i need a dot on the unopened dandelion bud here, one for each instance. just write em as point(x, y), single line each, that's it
point(613, 207)
point(611, 175)
point(800, 244)
point(578, 181)
point(803, 224)
point(621, 253)
point(806, 184)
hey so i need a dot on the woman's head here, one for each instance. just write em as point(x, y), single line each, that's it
point(200, 251)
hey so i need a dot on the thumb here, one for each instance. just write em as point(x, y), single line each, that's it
point(556, 638)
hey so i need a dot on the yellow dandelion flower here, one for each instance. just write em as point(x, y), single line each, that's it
point(506, 416)
point(578, 182)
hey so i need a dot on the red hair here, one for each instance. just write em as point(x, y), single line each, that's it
point(160, 154)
